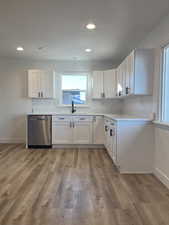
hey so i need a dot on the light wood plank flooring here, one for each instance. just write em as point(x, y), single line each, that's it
point(75, 187)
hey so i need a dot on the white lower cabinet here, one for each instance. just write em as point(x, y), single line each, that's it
point(72, 130)
point(110, 139)
point(61, 130)
point(135, 146)
point(62, 133)
point(130, 144)
point(112, 143)
point(106, 134)
point(82, 133)
point(114, 146)
point(98, 130)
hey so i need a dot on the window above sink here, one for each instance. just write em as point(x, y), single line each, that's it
point(74, 88)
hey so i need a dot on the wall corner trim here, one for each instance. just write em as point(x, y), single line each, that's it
point(162, 177)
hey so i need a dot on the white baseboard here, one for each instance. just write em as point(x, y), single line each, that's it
point(67, 146)
point(12, 140)
point(162, 177)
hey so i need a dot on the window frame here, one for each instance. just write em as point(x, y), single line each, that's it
point(87, 89)
point(162, 104)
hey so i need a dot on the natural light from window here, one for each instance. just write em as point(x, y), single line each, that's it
point(74, 88)
point(165, 86)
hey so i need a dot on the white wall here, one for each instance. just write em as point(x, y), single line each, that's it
point(14, 104)
point(156, 39)
point(139, 105)
point(161, 165)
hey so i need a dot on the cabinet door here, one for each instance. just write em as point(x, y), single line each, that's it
point(97, 85)
point(109, 84)
point(130, 74)
point(120, 85)
point(62, 133)
point(113, 144)
point(47, 84)
point(98, 130)
point(123, 70)
point(82, 133)
point(108, 144)
point(106, 132)
point(34, 83)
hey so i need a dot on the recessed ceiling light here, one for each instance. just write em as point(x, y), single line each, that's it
point(88, 50)
point(20, 49)
point(91, 26)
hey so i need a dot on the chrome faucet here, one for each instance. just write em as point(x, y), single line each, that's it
point(73, 107)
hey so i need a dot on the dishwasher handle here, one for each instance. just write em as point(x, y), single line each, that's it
point(35, 118)
point(42, 118)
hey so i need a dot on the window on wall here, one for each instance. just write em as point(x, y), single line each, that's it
point(74, 88)
point(165, 86)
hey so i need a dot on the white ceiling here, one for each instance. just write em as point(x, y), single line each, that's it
point(59, 26)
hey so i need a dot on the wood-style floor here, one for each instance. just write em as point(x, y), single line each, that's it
point(75, 187)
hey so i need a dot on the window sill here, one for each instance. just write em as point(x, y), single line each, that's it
point(161, 124)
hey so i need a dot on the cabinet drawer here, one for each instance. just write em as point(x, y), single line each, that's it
point(83, 118)
point(107, 122)
point(61, 118)
point(110, 122)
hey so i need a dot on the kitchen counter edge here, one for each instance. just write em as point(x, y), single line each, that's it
point(118, 117)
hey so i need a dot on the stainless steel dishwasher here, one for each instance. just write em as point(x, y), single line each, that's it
point(39, 131)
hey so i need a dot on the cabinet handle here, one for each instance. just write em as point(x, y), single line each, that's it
point(41, 94)
point(106, 128)
point(38, 94)
point(73, 124)
point(112, 132)
point(120, 93)
point(127, 90)
point(102, 95)
point(70, 124)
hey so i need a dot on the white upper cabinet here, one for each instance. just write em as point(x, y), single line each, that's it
point(33, 84)
point(47, 84)
point(110, 83)
point(97, 85)
point(41, 84)
point(121, 79)
point(129, 85)
point(104, 84)
point(135, 73)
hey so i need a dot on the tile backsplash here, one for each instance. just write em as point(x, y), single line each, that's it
point(98, 106)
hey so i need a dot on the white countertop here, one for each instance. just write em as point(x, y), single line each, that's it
point(126, 117)
point(118, 117)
